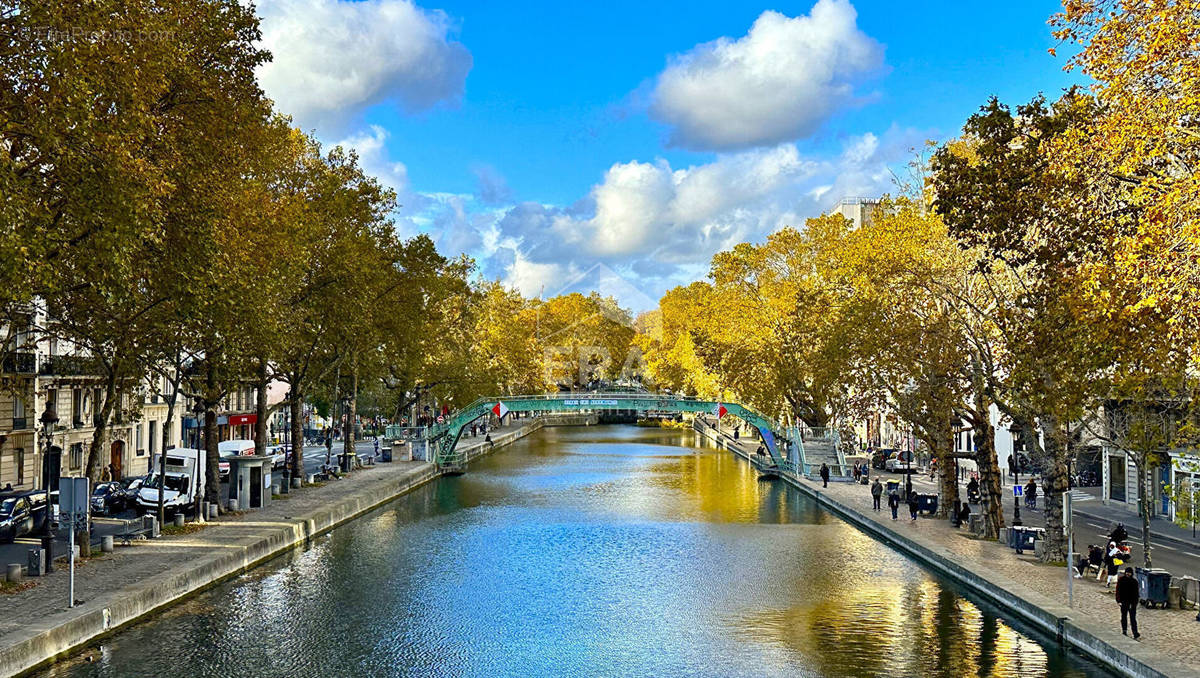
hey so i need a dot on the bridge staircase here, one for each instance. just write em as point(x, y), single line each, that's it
point(812, 447)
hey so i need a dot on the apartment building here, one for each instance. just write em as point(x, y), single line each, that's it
point(35, 373)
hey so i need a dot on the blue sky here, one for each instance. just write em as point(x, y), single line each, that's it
point(618, 145)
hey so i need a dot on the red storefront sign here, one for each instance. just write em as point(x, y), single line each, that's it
point(239, 419)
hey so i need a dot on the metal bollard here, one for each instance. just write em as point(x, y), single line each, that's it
point(106, 543)
point(212, 511)
point(311, 479)
point(13, 572)
point(178, 520)
point(296, 482)
point(233, 505)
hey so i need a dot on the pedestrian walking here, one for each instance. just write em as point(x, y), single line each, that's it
point(824, 475)
point(736, 432)
point(894, 503)
point(857, 472)
point(913, 504)
point(1112, 561)
point(1127, 598)
point(876, 493)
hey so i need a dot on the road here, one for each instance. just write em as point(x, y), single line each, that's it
point(18, 550)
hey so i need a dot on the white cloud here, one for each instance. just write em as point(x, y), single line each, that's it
point(373, 156)
point(777, 83)
point(335, 58)
point(657, 226)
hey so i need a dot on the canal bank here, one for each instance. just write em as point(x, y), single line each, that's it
point(1083, 631)
point(117, 589)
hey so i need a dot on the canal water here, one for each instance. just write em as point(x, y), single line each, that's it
point(601, 551)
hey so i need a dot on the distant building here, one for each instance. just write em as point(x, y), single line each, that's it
point(859, 210)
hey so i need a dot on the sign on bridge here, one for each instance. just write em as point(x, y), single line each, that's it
point(500, 409)
point(584, 402)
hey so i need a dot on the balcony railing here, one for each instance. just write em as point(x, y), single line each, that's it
point(19, 363)
point(19, 423)
point(68, 366)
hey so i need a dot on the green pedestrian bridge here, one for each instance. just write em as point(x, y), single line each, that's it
point(443, 437)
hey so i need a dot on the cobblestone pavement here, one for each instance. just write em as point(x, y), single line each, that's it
point(1174, 633)
point(106, 574)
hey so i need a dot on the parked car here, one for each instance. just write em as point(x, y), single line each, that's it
point(110, 498)
point(132, 485)
point(280, 456)
point(901, 461)
point(230, 448)
point(16, 517)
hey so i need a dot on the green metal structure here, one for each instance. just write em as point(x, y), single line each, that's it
point(445, 436)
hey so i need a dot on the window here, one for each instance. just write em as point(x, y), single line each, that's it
point(137, 441)
point(77, 407)
point(19, 457)
point(77, 456)
point(151, 443)
point(52, 399)
point(18, 413)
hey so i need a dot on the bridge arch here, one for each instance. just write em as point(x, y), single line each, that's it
point(445, 436)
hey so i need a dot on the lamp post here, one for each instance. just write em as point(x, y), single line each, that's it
point(49, 418)
point(347, 437)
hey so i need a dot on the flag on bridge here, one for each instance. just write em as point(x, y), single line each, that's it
point(499, 409)
point(720, 410)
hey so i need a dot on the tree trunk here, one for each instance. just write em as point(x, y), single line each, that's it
point(1145, 502)
point(295, 400)
point(947, 464)
point(260, 409)
point(351, 412)
point(990, 485)
point(99, 436)
point(1054, 483)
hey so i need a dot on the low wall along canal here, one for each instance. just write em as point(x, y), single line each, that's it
point(600, 550)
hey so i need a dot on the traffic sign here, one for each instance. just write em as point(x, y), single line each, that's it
point(1018, 491)
point(73, 498)
point(441, 419)
point(720, 410)
point(500, 409)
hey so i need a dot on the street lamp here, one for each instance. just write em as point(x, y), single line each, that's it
point(49, 418)
point(198, 410)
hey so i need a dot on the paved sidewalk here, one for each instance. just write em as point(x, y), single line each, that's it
point(1173, 633)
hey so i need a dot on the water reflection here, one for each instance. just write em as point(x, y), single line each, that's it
point(597, 551)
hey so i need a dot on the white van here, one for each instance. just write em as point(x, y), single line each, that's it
point(184, 482)
point(232, 448)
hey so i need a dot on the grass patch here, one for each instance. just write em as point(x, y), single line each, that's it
point(11, 587)
point(188, 528)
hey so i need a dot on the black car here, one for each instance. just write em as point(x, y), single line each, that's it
point(109, 498)
point(16, 517)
